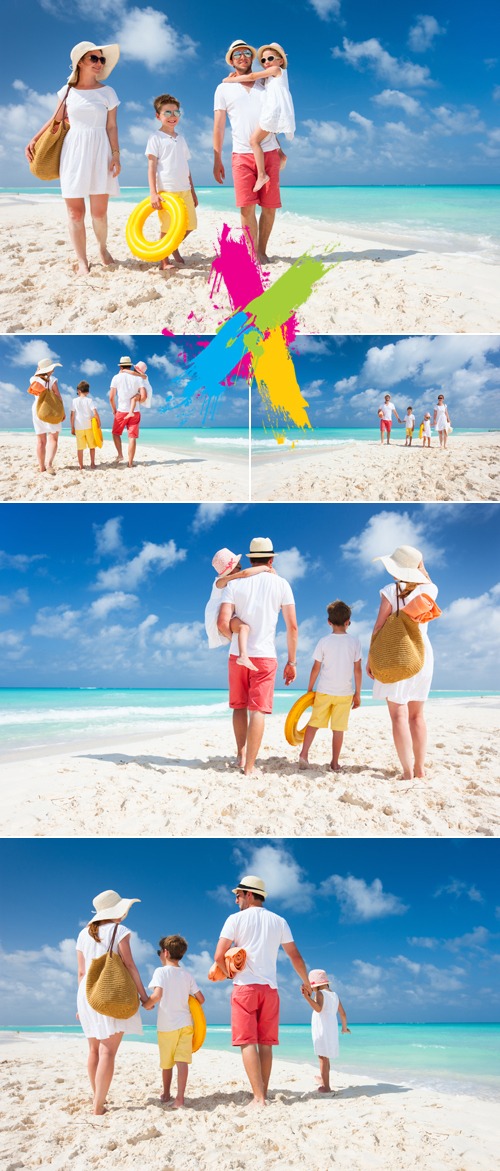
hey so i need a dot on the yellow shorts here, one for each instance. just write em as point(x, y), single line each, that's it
point(84, 439)
point(176, 1045)
point(409, 432)
point(191, 210)
point(331, 709)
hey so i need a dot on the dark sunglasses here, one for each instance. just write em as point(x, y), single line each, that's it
point(94, 57)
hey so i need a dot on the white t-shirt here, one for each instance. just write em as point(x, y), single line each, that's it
point(84, 408)
point(172, 152)
point(258, 601)
point(337, 654)
point(261, 933)
point(243, 104)
point(387, 409)
point(177, 985)
point(410, 422)
point(126, 386)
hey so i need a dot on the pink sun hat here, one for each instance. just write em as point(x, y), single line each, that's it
point(224, 561)
point(317, 976)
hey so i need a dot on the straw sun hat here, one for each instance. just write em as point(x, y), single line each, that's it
point(110, 52)
point(261, 547)
point(109, 905)
point(239, 45)
point(277, 49)
point(45, 366)
point(252, 883)
point(225, 561)
point(318, 976)
point(403, 565)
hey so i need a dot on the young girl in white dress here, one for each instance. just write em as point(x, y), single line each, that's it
point(227, 565)
point(277, 114)
point(324, 1027)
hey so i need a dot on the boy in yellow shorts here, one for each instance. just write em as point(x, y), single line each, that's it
point(83, 410)
point(337, 658)
point(168, 168)
point(172, 986)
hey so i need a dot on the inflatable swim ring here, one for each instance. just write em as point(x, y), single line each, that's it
point(157, 249)
point(199, 1023)
point(97, 433)
point(421, 431)
point(293, 734)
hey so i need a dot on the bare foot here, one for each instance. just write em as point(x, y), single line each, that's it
point(165, 1098)
point(51, 471)
point(81, 268)
point(106, 256)
point(324, 1090)
point(118, 459)
point(244, 661)
point(42, 470)
point(166, 263)
point(335, 766)
point(261, 182)
point(240, 761)
point(177, 256)
point(255, 1104)
point(303, 763)
point(263, 258)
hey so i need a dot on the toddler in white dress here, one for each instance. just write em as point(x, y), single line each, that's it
point(228, 566)
point(325, 1034)
point(277, 114)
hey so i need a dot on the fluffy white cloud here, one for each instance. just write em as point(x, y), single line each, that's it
point(395, 97)
point(365, 123)
point(292, 564)
point(329, 133)
point(129, 575)
point(20, 561)
point(457, 888)
point(56, 622)
point(310, 345)
point(361, 901)
point(370, 972)
point(108, 537)
point(460, 641)
point(383, 533)
point(454, 120)
point(8, 601)
point(326, 8)
point(90, 367)
point(423, 33)
point(111, 602)
point(145, 35)
point(372, 53)
point(207, 515)
point(477, 938)
point(284, 879)
point(426, 941)
point(32, 352)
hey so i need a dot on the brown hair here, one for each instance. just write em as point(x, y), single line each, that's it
point(338, 613)
point(165, 100)
point(176, 946)
point(93, 928)
point(84, 387)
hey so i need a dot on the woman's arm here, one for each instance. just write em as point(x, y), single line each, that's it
point(81, 965)
point(126, 955)
point(55, 388)
point(28, 150)
point(112, 132)
point(382, 616)
point(273, 71)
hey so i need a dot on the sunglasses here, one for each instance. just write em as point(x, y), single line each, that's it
point(270, 58)
point(242, 53)
point(94, 58)
point(171, 113)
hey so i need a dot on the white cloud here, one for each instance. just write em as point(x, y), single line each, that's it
point(346, 385)
point(108, 537)
point(423, 33)
point(180, 636)
point(326, 8)
point(460, 642)
point(477, 938)
point(310, 345)
point(20, 561)
point(360, 901)
point(8, 601)
point(90, 367)
point(146, 36)
point(455, 120)
point(329, 133)
point(292, 564)
point(284, 879)
point(387, 67)
point(457, 887)
point(111, 602)
point(370, 972)
point(207, 515)
point(365, 123)
point(131, 573)
point(395, 97)
point(31, 353)
point(161, 362)
point(383, 533)
point(423, 941)
point(56, 622)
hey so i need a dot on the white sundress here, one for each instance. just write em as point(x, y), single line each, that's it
point(417, 688)
point(215, 638)
point(95, 1024)
point(86, 150)
point(42, 428)
point(324, 1026)
point(441, 420)
point(277, 114)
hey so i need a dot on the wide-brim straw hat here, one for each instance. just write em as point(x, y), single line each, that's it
point(261, 547)
point(277, 48)
point(45, 366)
point(225, 561)
point(109, 905)
point(125, 361)
point(110, 52)
point(403, 565)
point(253, 884)
point(239, 45)
point(318, 976)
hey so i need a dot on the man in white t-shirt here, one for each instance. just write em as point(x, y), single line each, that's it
point(258, 601)
point(243, 103)
point(385, 416)
point(126, 390)
point(337, 657)
point(255, 1000)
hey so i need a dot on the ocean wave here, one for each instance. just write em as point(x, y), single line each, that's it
point(222, 442)
point(303, 442)
point(116, 714)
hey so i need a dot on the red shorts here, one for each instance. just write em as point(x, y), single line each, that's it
point(255, 1011)
point(385, 425)
point(252, 689)
point(245, 174)
point(132, 424)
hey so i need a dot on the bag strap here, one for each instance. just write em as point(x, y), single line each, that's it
point(112, 941)
point(63, 104)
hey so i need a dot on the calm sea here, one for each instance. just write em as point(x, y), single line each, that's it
point(265, 440)
point(450, 1058)
point(33, 718)
point(209, 441)
point(461, 218)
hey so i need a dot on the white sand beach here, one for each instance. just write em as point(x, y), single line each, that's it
point(184, 783)
point(376, 288)
point(372, 1122)
point(159, 475)
point(469, 469)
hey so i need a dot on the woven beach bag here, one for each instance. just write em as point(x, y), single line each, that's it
point(397, 650)
point(110, 988)
point(47, 149)
point(50, 407)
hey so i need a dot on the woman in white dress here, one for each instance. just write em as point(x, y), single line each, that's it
point(47, 434)
point(406, 699)
point(277, 114)
point(90, 156)
point(104, 1033)
point(441, 420)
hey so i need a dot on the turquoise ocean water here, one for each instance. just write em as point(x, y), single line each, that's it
point(32, 718)
point(201, 441)
point(453, 1058)
point(264, 439)
point(461, 218)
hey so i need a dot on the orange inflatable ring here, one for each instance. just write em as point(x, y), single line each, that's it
point(199, 1023)
point(157, 249)
point(293, 733)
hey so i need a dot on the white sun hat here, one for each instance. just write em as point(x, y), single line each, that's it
point(261, 547)
point(253, 884)
point(109, 905)
point(403, 565)
point(225, 561)
point(110, 52)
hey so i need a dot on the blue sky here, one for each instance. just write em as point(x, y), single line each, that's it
point(95, 358)
point(344, 379)
point(103, 596)
point(409, 931)
point(382, 95)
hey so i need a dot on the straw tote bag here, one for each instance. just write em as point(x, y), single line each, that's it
point(50, 407)
point(397, 650)
point(47, 149)
point(110, 988)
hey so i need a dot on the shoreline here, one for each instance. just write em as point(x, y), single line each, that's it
point(375, 288)
point(371, 1122)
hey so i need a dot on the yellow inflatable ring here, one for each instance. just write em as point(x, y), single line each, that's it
point(199, 1023)
point(97, 433)
point(293, 734)
point(157, 249)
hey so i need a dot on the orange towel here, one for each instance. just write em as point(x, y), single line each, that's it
point(235, 958)
point(422, 609)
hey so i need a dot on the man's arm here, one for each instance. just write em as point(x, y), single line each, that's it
point(112, 397)
point(219, 128)
point(297, 962)
point(358, 678)
point(292, 635)
point(220, 954)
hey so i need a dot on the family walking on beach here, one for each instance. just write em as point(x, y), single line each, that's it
point(129, 388)
point(246, 953)
point(441, 421)
point(244, 608)
point(81, 142)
